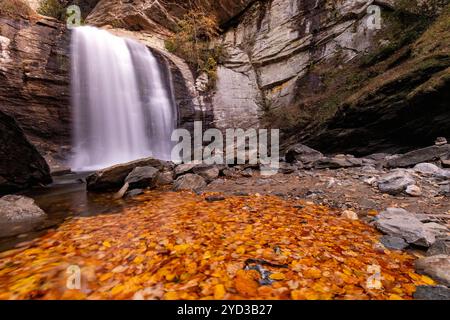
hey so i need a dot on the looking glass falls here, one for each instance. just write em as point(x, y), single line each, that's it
point(122, 106)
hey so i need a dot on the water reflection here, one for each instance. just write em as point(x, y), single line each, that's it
point(65, 198)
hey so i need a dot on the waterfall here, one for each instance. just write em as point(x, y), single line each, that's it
point(122, 110)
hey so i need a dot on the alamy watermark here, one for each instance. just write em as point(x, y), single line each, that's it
point(73, 277)
point(374, 20)
point(73, 14)
point(234, 146)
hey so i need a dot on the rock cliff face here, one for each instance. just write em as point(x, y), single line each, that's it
point(160, 16)
point(34, 76)
point(272, 48)
point(403, 106)
point(22, 166)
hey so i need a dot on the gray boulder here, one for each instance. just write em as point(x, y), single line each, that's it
point(400, 223)
point(439, 230)
point(191, 182)
point(208, 172)
point(303, 154)
point(18, 214)
point(164, 178)
point(444, 190)
point(113, 178)
point(412, 158)
point(184, 168)
point(432, 293)
point(395, 182)
point(442, 174)
point(394, 243)
point(134, 193)
point(427, 168)
point(15, 208)
point(142, 177)
point(439, 247)
point(436, 267)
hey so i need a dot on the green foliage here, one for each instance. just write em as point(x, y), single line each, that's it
point(193, 42)
point(52, 8)
point(405, 27)
point(15, 8)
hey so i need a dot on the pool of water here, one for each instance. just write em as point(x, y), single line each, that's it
point(65, 198)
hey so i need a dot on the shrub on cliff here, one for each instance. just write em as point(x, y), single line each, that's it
point(15, 9)
point(52, 8)
point(193, 42)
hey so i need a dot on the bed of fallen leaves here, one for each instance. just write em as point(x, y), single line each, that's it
point(180, 246)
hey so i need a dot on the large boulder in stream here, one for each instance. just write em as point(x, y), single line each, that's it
point(113, 178)
point(18, 214)
point(21, 165)
point(142, 177)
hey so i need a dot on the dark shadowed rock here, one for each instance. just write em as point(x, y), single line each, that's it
point(142, 177)
point(436, 267)
point(338, 162)
point(303, 154)
point(208, 172)
point(247, 173)
point(214, 198)
point(113, 178)
point(445, 163)
point(134, 193)
point(395, 243)
point(432, 293)
point(412, 158)
point(164, 178)
point(184, 168)
point(191, 182)
point(21, 165)
point(287, 168)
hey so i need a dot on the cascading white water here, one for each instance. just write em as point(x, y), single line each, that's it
point(122, 110)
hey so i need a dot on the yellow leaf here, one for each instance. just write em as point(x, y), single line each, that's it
point(181, 247)
point(107, 244)
point(138, 259)
point(219, 292)
point(170, 276)
point(277, 276)
point(240, 250)
point(395, 297)
point(427, 280)
point(117, 289)
point(172, 295)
